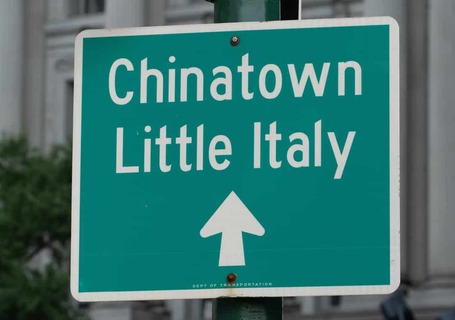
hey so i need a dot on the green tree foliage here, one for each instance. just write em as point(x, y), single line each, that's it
point(35, 223)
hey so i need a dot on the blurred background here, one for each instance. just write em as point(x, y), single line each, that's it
point(36, 92)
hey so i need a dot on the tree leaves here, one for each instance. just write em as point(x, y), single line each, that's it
point(35, 226)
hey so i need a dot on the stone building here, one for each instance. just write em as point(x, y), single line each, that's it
point(36, 83)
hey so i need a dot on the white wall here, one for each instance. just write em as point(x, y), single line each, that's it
point(34, 56)
point(441, 137)
point(121, 13)
point(11, 54)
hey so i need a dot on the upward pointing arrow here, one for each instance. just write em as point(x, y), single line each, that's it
point(231, 219)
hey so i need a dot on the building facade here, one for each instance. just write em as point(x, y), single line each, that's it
point(36, 86)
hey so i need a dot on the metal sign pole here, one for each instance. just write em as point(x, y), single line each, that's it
point(241, 11)
point(246, 10)
point(248, 309)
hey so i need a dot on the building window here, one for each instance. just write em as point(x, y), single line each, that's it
point(69, 89)
point(317, 9)
point(83, 7)
point(341, 8)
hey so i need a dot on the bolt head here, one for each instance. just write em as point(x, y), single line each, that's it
point(235, 40)
point(231, 278)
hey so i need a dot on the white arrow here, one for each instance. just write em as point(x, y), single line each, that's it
point(231, 219)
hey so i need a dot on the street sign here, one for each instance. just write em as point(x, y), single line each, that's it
point(245, 159)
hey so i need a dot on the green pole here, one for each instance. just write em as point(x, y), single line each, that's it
point(246, 10)
point(248, 309)
point(240, 11)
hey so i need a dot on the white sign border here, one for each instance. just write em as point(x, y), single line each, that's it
point(234, 291)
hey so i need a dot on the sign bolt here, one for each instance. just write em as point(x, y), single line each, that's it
point(235, 41)
point(231, 278)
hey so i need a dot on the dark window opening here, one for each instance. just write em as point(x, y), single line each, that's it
point(83, 7)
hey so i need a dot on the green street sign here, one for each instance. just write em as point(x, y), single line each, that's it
point(246, 159)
